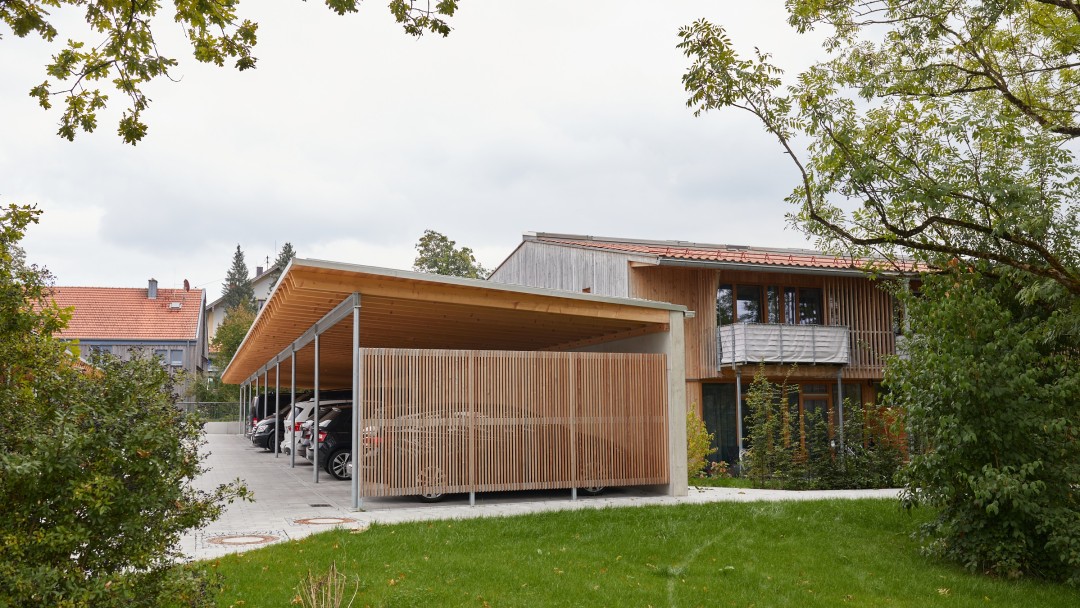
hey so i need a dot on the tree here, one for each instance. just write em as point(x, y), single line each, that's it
point(96, 463)
point(231, 333)
point(284, 256)
point(126, 51)
point(943, 131)
point(237, 291)
point(942, 126)
point(438, 255)
point(991, 388)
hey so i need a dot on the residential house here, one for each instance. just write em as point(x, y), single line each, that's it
point(815, 320)
point(168, 323)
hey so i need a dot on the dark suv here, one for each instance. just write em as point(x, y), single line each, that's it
point(335, 442)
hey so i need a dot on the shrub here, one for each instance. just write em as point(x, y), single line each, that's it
point(698, 443)
point(95, 463)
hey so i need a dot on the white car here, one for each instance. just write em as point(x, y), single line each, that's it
point(303, 412)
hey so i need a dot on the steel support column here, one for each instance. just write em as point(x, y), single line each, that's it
point(358, 409)
point(315, 415)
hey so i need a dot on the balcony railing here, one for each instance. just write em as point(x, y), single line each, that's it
point(780, 343)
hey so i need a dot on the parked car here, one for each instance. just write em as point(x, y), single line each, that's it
point(268, 432)
point(304, 447)
point(305, 409)
point(335, 442)
point(427, 453)
point(265, 405)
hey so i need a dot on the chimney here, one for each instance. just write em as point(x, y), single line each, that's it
point(258, 271)
point(187, 285)
point(151, 289)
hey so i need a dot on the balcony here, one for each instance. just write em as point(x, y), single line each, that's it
point(780, 343)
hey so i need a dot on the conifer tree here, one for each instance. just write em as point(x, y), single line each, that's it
point(238, 290)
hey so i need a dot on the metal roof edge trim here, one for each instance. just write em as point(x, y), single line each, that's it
point(777, 268)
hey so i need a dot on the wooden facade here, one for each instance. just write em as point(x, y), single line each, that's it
point(479, 421)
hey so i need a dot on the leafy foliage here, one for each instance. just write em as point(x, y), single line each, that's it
point(231, 333)
point(438, 255)
point(992, 386)
point(937, 129)
point(127, 53)
point(96, 463)
point(698, 443)
point(807, 450)
point(238, 292)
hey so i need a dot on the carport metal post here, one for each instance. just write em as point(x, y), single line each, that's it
point(277, 406)
point(358, 410)
point(292, 431)
point(315, 414)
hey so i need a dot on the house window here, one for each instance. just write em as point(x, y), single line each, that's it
point(748, 304)
point(176, 358)
point(810, 309)
point(769, 304)
point(724, 308)
point(162, 354)
point(100, 350)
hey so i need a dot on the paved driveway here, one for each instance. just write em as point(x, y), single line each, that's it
point(289, 504)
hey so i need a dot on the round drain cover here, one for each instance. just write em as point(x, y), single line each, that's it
point(325, 520)
point(247, 539)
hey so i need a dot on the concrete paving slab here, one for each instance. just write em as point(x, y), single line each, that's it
point(290, 505)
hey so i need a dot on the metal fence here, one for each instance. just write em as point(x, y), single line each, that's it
point(221, 417)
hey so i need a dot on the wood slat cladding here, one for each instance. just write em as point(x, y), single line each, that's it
point(694, 288)
point(444, 421)
point(867, 311)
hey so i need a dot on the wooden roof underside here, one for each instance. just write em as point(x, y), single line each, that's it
point(410, 310)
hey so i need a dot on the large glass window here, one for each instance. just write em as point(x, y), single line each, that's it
point(810, 309)
point(772, 298)
point(790, 309)
point(724, 307)
point(748, 304)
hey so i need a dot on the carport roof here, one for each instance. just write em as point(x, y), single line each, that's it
point(401, 309)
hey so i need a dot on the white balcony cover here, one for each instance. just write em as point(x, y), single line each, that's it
point(779, 343)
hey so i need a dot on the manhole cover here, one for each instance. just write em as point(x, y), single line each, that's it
point(325, 520)
point(246, 539)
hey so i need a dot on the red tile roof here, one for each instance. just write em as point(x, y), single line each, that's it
point(800, 258)
point(125, 313)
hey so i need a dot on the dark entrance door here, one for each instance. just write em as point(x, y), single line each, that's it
point(719, 413)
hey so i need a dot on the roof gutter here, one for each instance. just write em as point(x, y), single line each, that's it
point(758, 267)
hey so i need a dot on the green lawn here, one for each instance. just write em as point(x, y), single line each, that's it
point(823, 553)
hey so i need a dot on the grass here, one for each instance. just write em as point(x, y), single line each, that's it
point(805, 554)
point(721, 482)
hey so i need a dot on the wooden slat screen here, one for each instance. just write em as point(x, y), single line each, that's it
point(866, 310)
point(440, 421)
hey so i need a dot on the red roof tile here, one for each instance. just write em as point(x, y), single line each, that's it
point(125, 313)
point(801, 258)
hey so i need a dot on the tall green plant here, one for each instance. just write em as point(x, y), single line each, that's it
point(96, 462)
point(699, 443)
point(991, 387)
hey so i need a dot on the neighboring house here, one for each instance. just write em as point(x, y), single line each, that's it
point(262, 285)
point(168, 323)
point(811, 318)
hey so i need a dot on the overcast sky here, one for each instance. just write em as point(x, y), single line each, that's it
point(351, 138)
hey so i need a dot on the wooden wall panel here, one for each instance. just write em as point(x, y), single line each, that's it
point(694, 288)
point(867, 311)
point(567, 268)
point(460, 421)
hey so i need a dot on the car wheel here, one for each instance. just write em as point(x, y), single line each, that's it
point(269, 443)
point(429, 480)
point(338, 464)
point(592, 470)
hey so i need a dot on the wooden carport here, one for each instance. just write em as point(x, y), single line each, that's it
point(331, 313)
